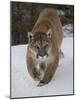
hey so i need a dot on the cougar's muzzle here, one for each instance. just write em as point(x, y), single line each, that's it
point(42, 52)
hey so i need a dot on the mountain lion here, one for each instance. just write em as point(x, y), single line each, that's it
point(44, 46)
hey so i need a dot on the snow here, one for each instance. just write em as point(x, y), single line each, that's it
point(68, 30)
point(22, 85)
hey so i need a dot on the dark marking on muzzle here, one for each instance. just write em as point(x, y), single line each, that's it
point(42, 53)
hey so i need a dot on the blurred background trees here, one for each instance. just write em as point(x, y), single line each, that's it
point(24, 16)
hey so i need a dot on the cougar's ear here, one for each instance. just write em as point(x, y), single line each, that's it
point(30, 36)
point(49, 33)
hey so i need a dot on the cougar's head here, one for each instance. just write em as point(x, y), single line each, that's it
point(40, 43)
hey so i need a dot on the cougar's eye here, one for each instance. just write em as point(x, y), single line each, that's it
point(37, 47)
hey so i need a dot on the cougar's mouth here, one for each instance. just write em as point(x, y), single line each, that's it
point(42, 59)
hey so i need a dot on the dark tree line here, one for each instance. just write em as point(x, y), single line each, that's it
point(24, 16)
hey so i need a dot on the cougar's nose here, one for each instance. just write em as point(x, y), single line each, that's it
point(42, 54)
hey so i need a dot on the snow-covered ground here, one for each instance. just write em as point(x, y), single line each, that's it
point(68, 30)
point(22, 85)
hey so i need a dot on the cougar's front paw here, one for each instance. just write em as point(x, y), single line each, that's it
point(40, 84)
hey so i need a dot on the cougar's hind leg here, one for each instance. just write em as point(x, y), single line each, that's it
point(61, 54)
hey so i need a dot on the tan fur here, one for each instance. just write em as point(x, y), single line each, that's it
point(48, 19)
